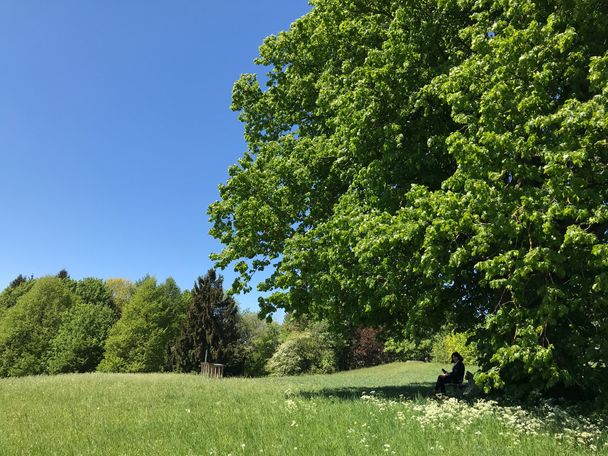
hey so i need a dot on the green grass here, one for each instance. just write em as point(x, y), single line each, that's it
point(152, 414)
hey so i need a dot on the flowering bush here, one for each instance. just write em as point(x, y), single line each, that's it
point(314, 350)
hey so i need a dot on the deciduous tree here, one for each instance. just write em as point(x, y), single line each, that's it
point(140, 339)
point(79, 343)
point(122, 291)
point(416, 163)
point(258, 341)
point(28, 327)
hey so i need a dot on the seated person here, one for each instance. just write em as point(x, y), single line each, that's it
point(455, 376)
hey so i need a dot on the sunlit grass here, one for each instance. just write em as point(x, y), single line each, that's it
point(382, 410)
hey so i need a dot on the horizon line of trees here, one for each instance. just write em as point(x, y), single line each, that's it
point(55, 325)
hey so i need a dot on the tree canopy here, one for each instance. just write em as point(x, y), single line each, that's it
point(29, 326)
point(149, 323)
point(416, 163)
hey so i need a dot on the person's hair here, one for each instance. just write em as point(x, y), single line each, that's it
point(458, 355)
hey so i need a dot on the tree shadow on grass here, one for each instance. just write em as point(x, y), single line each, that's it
point(410, 391)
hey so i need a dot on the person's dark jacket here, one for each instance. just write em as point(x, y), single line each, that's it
point(457, 374)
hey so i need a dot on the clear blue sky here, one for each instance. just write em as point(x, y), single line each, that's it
point(116, 129)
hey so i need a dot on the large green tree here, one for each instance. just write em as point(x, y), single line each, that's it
point(79, 343)
point(29, 326)
point(150, 321)
point(53, 325)
point(412, 163)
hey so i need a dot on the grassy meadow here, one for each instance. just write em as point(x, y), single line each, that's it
point(374, 411)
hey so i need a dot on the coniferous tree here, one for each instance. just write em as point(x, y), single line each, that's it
point(63, 274)
point(210, 327)
point(17, 281)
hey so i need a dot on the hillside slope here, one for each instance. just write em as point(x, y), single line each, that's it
point(380, 410)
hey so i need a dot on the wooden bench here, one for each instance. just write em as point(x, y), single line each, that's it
point(455, 389)
point(212, 370)
point(461, 388)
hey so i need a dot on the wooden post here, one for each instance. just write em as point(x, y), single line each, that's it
point(212, 370)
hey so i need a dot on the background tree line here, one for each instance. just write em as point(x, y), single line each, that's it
point(55, 324)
